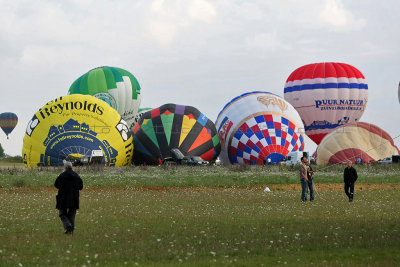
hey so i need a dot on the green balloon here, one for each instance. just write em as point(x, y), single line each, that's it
point(116, 86)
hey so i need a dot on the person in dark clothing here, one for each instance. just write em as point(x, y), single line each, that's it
point(68, 184)
point(310, 173)
point(350, 177)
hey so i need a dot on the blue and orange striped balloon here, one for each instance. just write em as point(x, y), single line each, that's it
point(8, 121)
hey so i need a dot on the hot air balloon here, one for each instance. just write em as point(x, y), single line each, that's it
point(73, 126)
point(398, 92)
point(353, 141)
point(8, 121)
point(258, 126)
point(326, 95)
point(174, 126)
point(116, 86)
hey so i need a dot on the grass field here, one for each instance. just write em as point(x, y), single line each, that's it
point(208, 176)
point(201, 217)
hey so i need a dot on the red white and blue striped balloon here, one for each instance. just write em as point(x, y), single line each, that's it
point(8, 121)
point(326, 95)
point(258, 126)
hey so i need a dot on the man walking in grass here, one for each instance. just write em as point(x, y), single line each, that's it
point(68, 184)
point(303, 179)
point(350, 177)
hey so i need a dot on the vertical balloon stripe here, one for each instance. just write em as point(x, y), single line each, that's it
point(134, 82)
point(208, 155)
point(187, 124)
point(140, 146)
point(75, 87)
point(83, 85)
point(215, 140)
point(202, 119)
point(179, 109)
point(148, 129)
point(111, 78)
point(116, 74)
point(97, 81)
point(160, 135)
point(167, 119)
point(202, 138)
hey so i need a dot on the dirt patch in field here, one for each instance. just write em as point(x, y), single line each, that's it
point(336, 187)
point(273, 187)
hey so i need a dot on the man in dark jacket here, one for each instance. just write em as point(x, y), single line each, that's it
point(350, 177)
point(68, 184)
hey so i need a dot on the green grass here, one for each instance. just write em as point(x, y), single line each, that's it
point(4, 164)
point(208, 227)
point(208, 176)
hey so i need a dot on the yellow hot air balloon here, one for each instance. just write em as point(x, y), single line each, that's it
point(76, 125)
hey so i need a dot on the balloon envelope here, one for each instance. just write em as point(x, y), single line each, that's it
point(398, 92)
point(74, 126)
point(355, 140)
point(174, 126)
point(326, 95)
point(256, 126)
point(116, 86)
point(8, 121)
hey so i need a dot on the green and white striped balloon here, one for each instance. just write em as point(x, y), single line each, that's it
point(116, 86)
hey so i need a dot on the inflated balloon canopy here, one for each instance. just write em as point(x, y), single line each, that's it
point(8, 121)
point(354, 141)
point(326, 95)
point(73, 126)
point(116, 86)
point(174, 126)
point(258, 126)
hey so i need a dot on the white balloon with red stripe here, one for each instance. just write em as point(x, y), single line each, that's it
point(326, 95)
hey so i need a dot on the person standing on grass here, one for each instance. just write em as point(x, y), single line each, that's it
point(350, 177)
point(310, 182)
point(68, 184)
point(303, 179)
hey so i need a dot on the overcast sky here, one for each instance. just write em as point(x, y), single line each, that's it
point(200, 53)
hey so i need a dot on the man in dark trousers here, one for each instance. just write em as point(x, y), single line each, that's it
point(310, 173)
point(68, 184)
point(350, 177)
